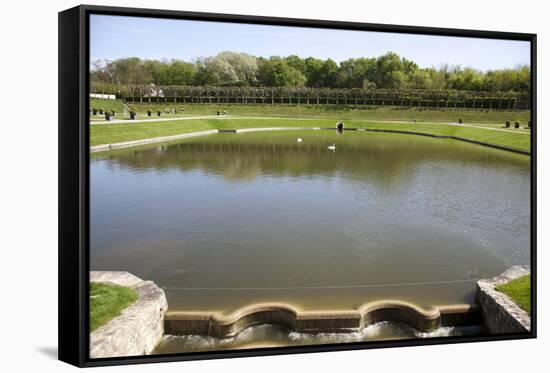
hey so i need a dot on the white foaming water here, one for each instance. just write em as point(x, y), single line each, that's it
point(274, 336)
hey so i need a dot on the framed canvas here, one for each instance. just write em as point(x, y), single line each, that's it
point(234, 186)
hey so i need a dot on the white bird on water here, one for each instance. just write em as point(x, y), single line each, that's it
point(299, 139)
point(332, 147)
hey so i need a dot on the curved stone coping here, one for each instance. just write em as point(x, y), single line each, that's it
point(121, 278)
point(217, 325)
point(500, 147)
point(244, 130)
point(139, 327)
point(127, 144)
point(500, 313)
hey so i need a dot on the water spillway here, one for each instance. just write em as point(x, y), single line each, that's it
point(423, 320)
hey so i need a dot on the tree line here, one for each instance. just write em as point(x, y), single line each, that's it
point(389, 71)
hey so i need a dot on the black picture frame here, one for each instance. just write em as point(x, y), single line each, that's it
point(73, 250)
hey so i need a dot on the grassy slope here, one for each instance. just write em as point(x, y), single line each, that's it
point(107, 301)
point(347, 112)
point(519, 290)
point(115, 105)
point(113, 133)
point(509, 139)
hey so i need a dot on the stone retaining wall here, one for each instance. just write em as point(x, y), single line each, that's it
point(139, 328)
point(500, 314)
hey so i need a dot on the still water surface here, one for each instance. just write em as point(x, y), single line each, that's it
point(228, 220)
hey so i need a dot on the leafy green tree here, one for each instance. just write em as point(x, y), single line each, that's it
point(244, 65)
point(409, 67)
point(466, 79)
point(518, 79)
point(130, 71)
point(180, 73)
point(102, 71)
point(329, 73)
point(220, 70)
point(389, 71)
point(420, 79)
point(227, 68)
point(276, 72)
point(203, 75)
point(156, 69)
point(357, 73)
point(313, 72)
point(297, 63)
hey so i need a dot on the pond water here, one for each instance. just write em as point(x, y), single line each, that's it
point(227, 220)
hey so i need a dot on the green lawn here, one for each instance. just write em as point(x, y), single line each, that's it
point(519, 290)
point(508, 139)
point(341, 112)
point(113, 133)
point(116, 105)
point(107, 301)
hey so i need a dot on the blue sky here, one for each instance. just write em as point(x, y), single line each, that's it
point(114, 37)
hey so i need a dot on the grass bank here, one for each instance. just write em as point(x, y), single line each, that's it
point(347, 112)
point(113, 133)
point(519, 290)
point(107, 301)
point(116, 105)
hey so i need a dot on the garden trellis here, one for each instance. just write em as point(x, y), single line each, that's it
point(317, 96)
